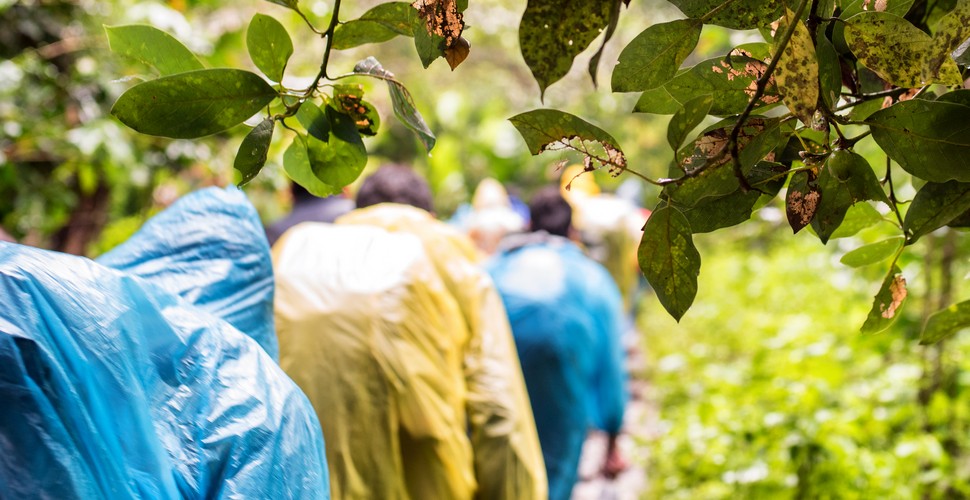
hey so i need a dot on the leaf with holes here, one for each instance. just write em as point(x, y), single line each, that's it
point(797, 71)
point(269, 46)
point(437, 31)
point(549, 129)
point(252, 152)
point(934, 206)
point(802, 200)
point(669, 260)
point(193, 104)
point(153, 47)
point(655, 55)
point(887, 303)
point(552, 33)
point(945, 323)
point(929, 139)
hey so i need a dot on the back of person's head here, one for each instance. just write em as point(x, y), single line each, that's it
point(550, 212)
point(395, 184)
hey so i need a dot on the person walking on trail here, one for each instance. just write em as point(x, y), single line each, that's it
point(401, 342)
point(566, 316)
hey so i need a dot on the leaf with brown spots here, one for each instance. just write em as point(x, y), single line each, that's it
point(735, 14)
point(802, 200)
point(887, 303)
point(553, 32)
point(553, 130)
point(950, 32)
point(669, 260)
point(441, 18)
point(797, 71)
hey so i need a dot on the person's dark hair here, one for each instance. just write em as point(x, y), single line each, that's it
point(550, 212)
point(395, 184)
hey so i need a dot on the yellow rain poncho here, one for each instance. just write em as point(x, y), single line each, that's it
point(402, 345)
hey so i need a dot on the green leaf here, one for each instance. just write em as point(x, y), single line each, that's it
point(945, 323)
point(929, 139)
point(829, 71)
point(655, 55)
point(713, 213)
point(428, 45)
point(314, 120)
point(193, 104)
point(797, 72)
point(853, 7)
point(401, 100)
point(959, 96)
point(758, 136)
point(610, 30)
point(887, 303)
point(859, 217)
point(846, 179)
point(658, 101)
point(289, 4)
point(545, 129)
point(728, 80)
point(669, 260)
point(253, 150)
point(296, 164)
point(687, 119)
point(896, 50)
point(552, 33)
point(872, 253)
point(934, 206)
point(340, 159)
point(153, 47)
point(269, 46)
point(735, 14)
point(380, 24)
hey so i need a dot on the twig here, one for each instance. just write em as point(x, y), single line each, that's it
point(892, 192)
point(759, 91)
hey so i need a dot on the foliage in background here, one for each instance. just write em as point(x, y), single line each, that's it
point(766, 392)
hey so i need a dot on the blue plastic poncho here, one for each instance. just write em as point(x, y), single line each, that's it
point(566, 317)
point(114, 388)
point(208, 248)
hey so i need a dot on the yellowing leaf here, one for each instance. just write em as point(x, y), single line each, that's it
point(797, 71)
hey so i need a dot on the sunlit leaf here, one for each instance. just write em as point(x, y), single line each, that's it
point(296, 164)
point(797, 71)
point(153, 47)
point(340, 159)
point(193, 104)
point(736, 14)
point(669, 260)
point(934, 206)
point(872, 253)
point(553, 32)
point(655, 55)
point(688, 118)
point(929, 139)
point(730, 81)
point(549, 129)
point(860, 216)
point(945, 323)
point(379, 24)
point(896, 50)
point(253, 150)
point(887, 303)
point(269, 46)
point(437, 31)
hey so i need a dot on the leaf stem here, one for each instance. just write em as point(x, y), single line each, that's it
point(759, 91)
point(892, 192)
point(334, 18)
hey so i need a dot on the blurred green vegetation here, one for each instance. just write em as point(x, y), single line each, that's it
point(767, 390)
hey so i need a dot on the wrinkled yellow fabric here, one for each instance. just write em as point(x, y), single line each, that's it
point(507, 458)
point(367, 329)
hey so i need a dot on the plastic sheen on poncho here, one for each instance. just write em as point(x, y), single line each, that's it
point(209, 249)
point(115, 388)
point(566, 317)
